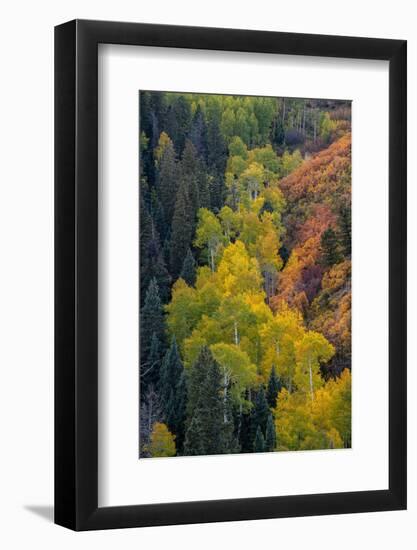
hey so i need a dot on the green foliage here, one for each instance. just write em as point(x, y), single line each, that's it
point(261, 411)
point(345, 225)
point(182, 227)
point(274, 386)
point(151, 321)
point(188, 271)
point(205, 433)
point(270, 435)
point(167, 177)
point(259, 444)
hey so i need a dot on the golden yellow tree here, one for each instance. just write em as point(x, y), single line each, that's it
point(162, 441)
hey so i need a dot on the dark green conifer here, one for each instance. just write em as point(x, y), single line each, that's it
point(193, 444)
point(151, 321)
point(259, 444)
point(205, 406)
point(198, 133)
point(260, 411)
point(149, 369)
point(180, 411)
point(330, 248)
point(345, 229)
point(270, 436)
point(171, 371)
point(182, 229)
point(188, 271)
point(274, 386)
point(167, 178)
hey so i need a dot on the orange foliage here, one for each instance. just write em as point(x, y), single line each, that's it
point(323, 176)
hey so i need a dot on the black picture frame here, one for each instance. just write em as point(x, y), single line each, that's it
point(76, 272)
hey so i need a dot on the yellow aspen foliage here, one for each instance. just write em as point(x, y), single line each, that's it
point(162, 441)
point(163, 141)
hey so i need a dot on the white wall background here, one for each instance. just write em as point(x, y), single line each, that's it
point(26, 274)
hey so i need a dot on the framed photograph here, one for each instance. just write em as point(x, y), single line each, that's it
point(230, 248)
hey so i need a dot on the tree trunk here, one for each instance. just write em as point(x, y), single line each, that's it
point(311, 379)
point(236, 334)
point(212, 259)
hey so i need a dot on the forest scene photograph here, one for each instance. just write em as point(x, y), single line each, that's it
point(245, 274)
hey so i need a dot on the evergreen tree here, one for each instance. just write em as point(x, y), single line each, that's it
point(216, 162)
point(259, 444)
point(270, 435)
point(166, 250)
point(181, 410)
point(345, 229)
point(330, 248)
point(158, 215)
point(153, 266)
point(198, 133)
point(260, 411)
point(171, 371)
point(193, 444)
point(188, 271)
point(217, 192)
point(274, 386)
point(167, 177)
point(245, 433)
point(173, 392)
point(178, 122)
point(182, 229)
point(205, 407)
point(145, 226)
point(149, 369)
point(169, 410)
point(151, 321)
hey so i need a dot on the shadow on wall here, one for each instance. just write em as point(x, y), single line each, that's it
point(45, 512)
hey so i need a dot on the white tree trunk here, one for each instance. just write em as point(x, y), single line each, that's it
point(311, 379)
point(236, 333)
point(225, 385)
point(212, 259)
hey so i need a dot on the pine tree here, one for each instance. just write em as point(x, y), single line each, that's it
point(345, 229)
point(173, 393)
point(205, 407)
point(217, 192)
point(188, 271)
point(167, 178)
point(193, 444)
point(259, 444)
point(151, 321)
point(149, 370)
point(330, 248)
point(270, 436)
point(158, 215)
point(216, 147)
point(191, 172)
point(178, 122)
point(181, 411)
point(245, 433)
point(171, 371)
point(216, 162)
point(152, 265)
point(261, 411)
point(182, 229)
point(274, 386)
point(198, 133)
